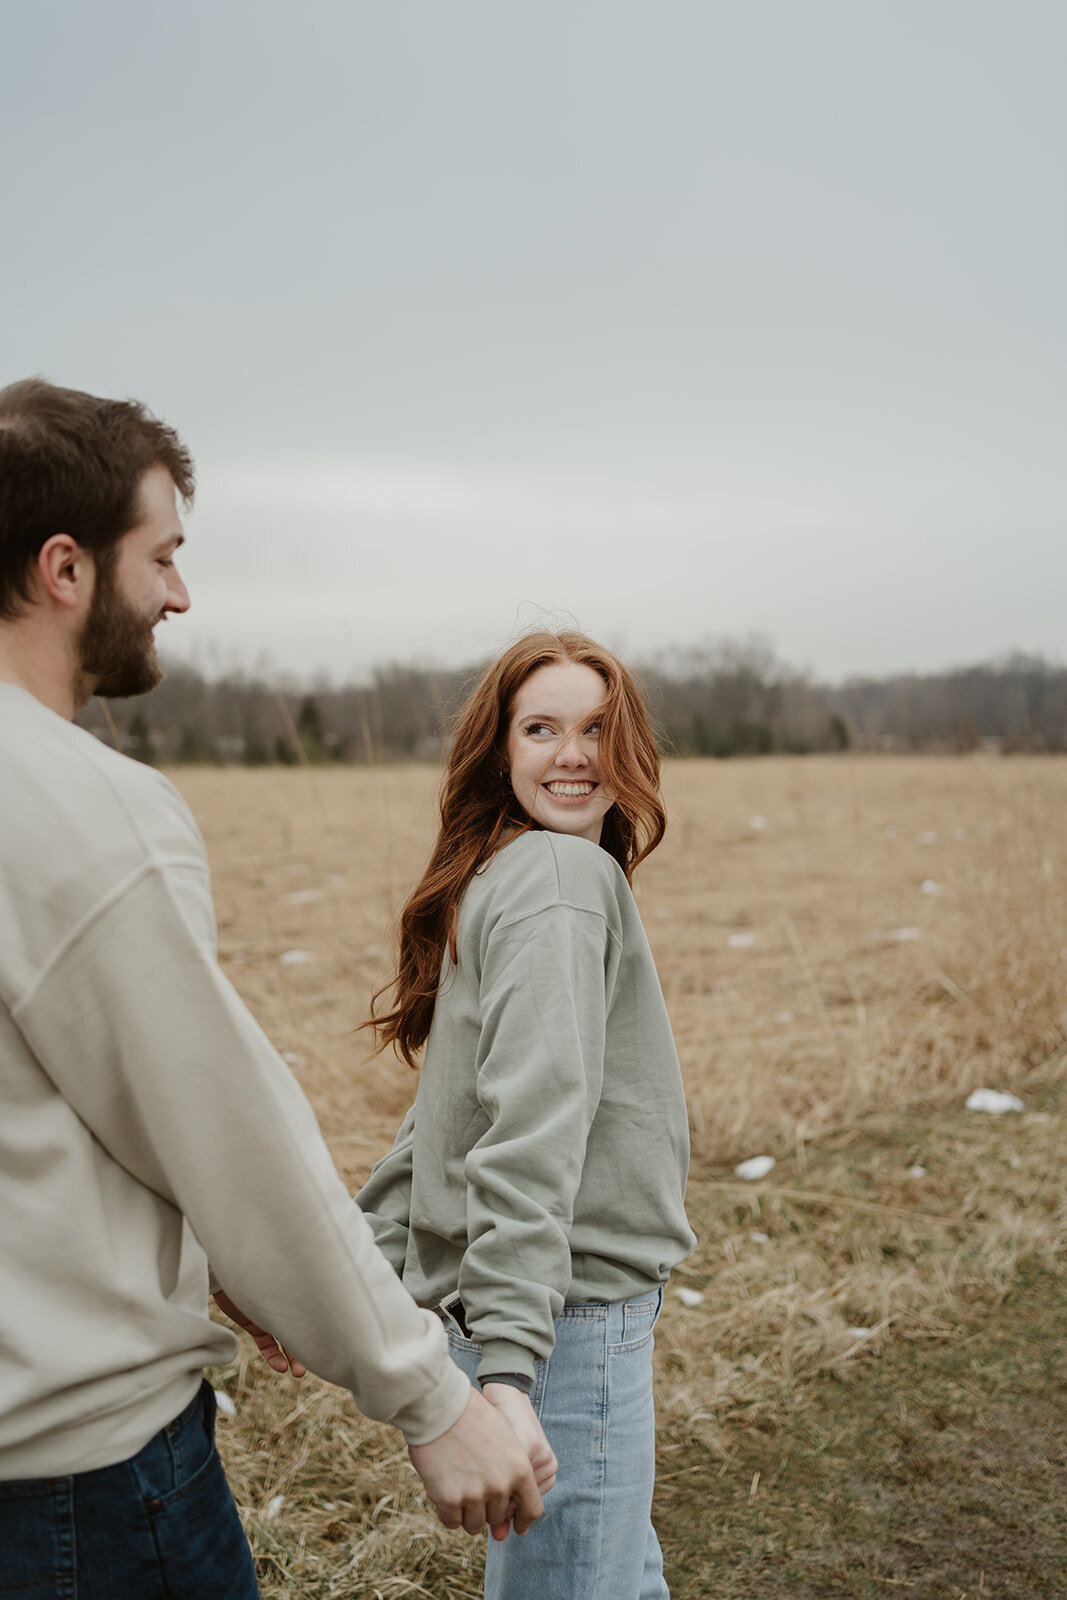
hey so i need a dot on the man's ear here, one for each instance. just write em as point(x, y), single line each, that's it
point(65, 571)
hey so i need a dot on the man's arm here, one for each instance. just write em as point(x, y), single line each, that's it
point(155, 1053)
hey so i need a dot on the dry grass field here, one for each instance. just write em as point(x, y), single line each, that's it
point(871, 1397)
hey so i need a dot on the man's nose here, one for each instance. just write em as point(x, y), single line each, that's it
point(177, 593)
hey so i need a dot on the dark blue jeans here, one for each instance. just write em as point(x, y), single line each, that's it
point(160, 1526)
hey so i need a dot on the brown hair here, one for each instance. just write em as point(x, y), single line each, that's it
point(72, 463)
point(479, 813)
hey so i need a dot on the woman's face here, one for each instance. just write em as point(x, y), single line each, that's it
point(552, 749)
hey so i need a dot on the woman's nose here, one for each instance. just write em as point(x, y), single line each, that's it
point(571, 753)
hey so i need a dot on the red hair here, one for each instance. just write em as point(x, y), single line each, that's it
point(479, 813)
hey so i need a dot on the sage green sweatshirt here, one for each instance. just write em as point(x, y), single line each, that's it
point(544, 1160)
point(146, 1124)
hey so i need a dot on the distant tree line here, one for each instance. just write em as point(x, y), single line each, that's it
point(732, 698)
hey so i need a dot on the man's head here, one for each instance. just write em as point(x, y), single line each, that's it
point(137, 584)
point(94, 481)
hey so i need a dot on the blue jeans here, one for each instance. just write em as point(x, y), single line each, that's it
point(594, 1398)
point(160, 1526)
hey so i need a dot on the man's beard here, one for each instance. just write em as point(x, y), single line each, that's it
point(116, 651)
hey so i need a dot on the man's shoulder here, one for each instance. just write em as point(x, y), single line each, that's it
point(57, 776)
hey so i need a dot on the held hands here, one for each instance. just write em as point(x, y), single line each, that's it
point(479, 1471)
point(517, 1408)
point(275, 1355)
point(492, 1466)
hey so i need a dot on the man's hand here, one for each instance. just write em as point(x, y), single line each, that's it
point(274, 1354)
point(518, 1409)
point(478, 1472)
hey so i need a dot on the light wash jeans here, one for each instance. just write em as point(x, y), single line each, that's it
point(594, 1398)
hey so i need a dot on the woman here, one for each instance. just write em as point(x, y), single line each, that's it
point(536, 1186)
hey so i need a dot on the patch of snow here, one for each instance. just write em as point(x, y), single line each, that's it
point(293, 1058)
point(900, 935)
point(741, 941)
point(690, 1297)
point(296, 958)
point(858, 1333)
point(302, 897)
point(754, 1168)
point(759, 1238)
point(993, 1101)
point(783, 1016)
point(758, 823)
point(931, 886)
point(916, 1172)
point(224, 1404)
point(274, 1506)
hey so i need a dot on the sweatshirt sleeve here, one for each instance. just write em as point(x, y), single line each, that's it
point(543, 998)
point(385, 1198)
point(152, 1048)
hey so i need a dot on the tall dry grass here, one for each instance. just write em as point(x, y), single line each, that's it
point(847, 946)
point(809, 978)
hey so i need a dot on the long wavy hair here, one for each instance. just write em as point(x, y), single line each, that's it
point(480, 813)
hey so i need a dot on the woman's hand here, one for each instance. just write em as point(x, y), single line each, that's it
point(274, 1354)
point(518, 1410)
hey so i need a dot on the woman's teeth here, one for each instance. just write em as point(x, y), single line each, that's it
point(570, 791)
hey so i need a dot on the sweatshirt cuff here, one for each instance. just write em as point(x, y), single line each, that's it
point(501, 1356)
point(513, 1380)
point(424, 1420)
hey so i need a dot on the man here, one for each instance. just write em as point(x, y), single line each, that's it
point(146, 1124)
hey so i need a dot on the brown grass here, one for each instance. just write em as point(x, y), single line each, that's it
point(821, 1036)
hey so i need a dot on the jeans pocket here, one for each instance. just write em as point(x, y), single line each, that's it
point(199, 1539)
point(638, 1320)
point(459, 1341)
point(179, 1451)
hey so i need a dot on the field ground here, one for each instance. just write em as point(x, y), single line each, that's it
point(848, 946)
point(934, 1463)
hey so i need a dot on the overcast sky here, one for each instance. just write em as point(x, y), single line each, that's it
point(684, 320)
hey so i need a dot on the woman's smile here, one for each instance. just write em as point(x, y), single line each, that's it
point(560, 790)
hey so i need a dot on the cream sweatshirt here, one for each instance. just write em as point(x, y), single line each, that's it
point(147, 1124)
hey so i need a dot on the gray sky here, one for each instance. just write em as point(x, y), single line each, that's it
point(684, 320)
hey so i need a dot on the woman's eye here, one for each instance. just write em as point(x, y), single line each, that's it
point(593, 729)
point(538, 728)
